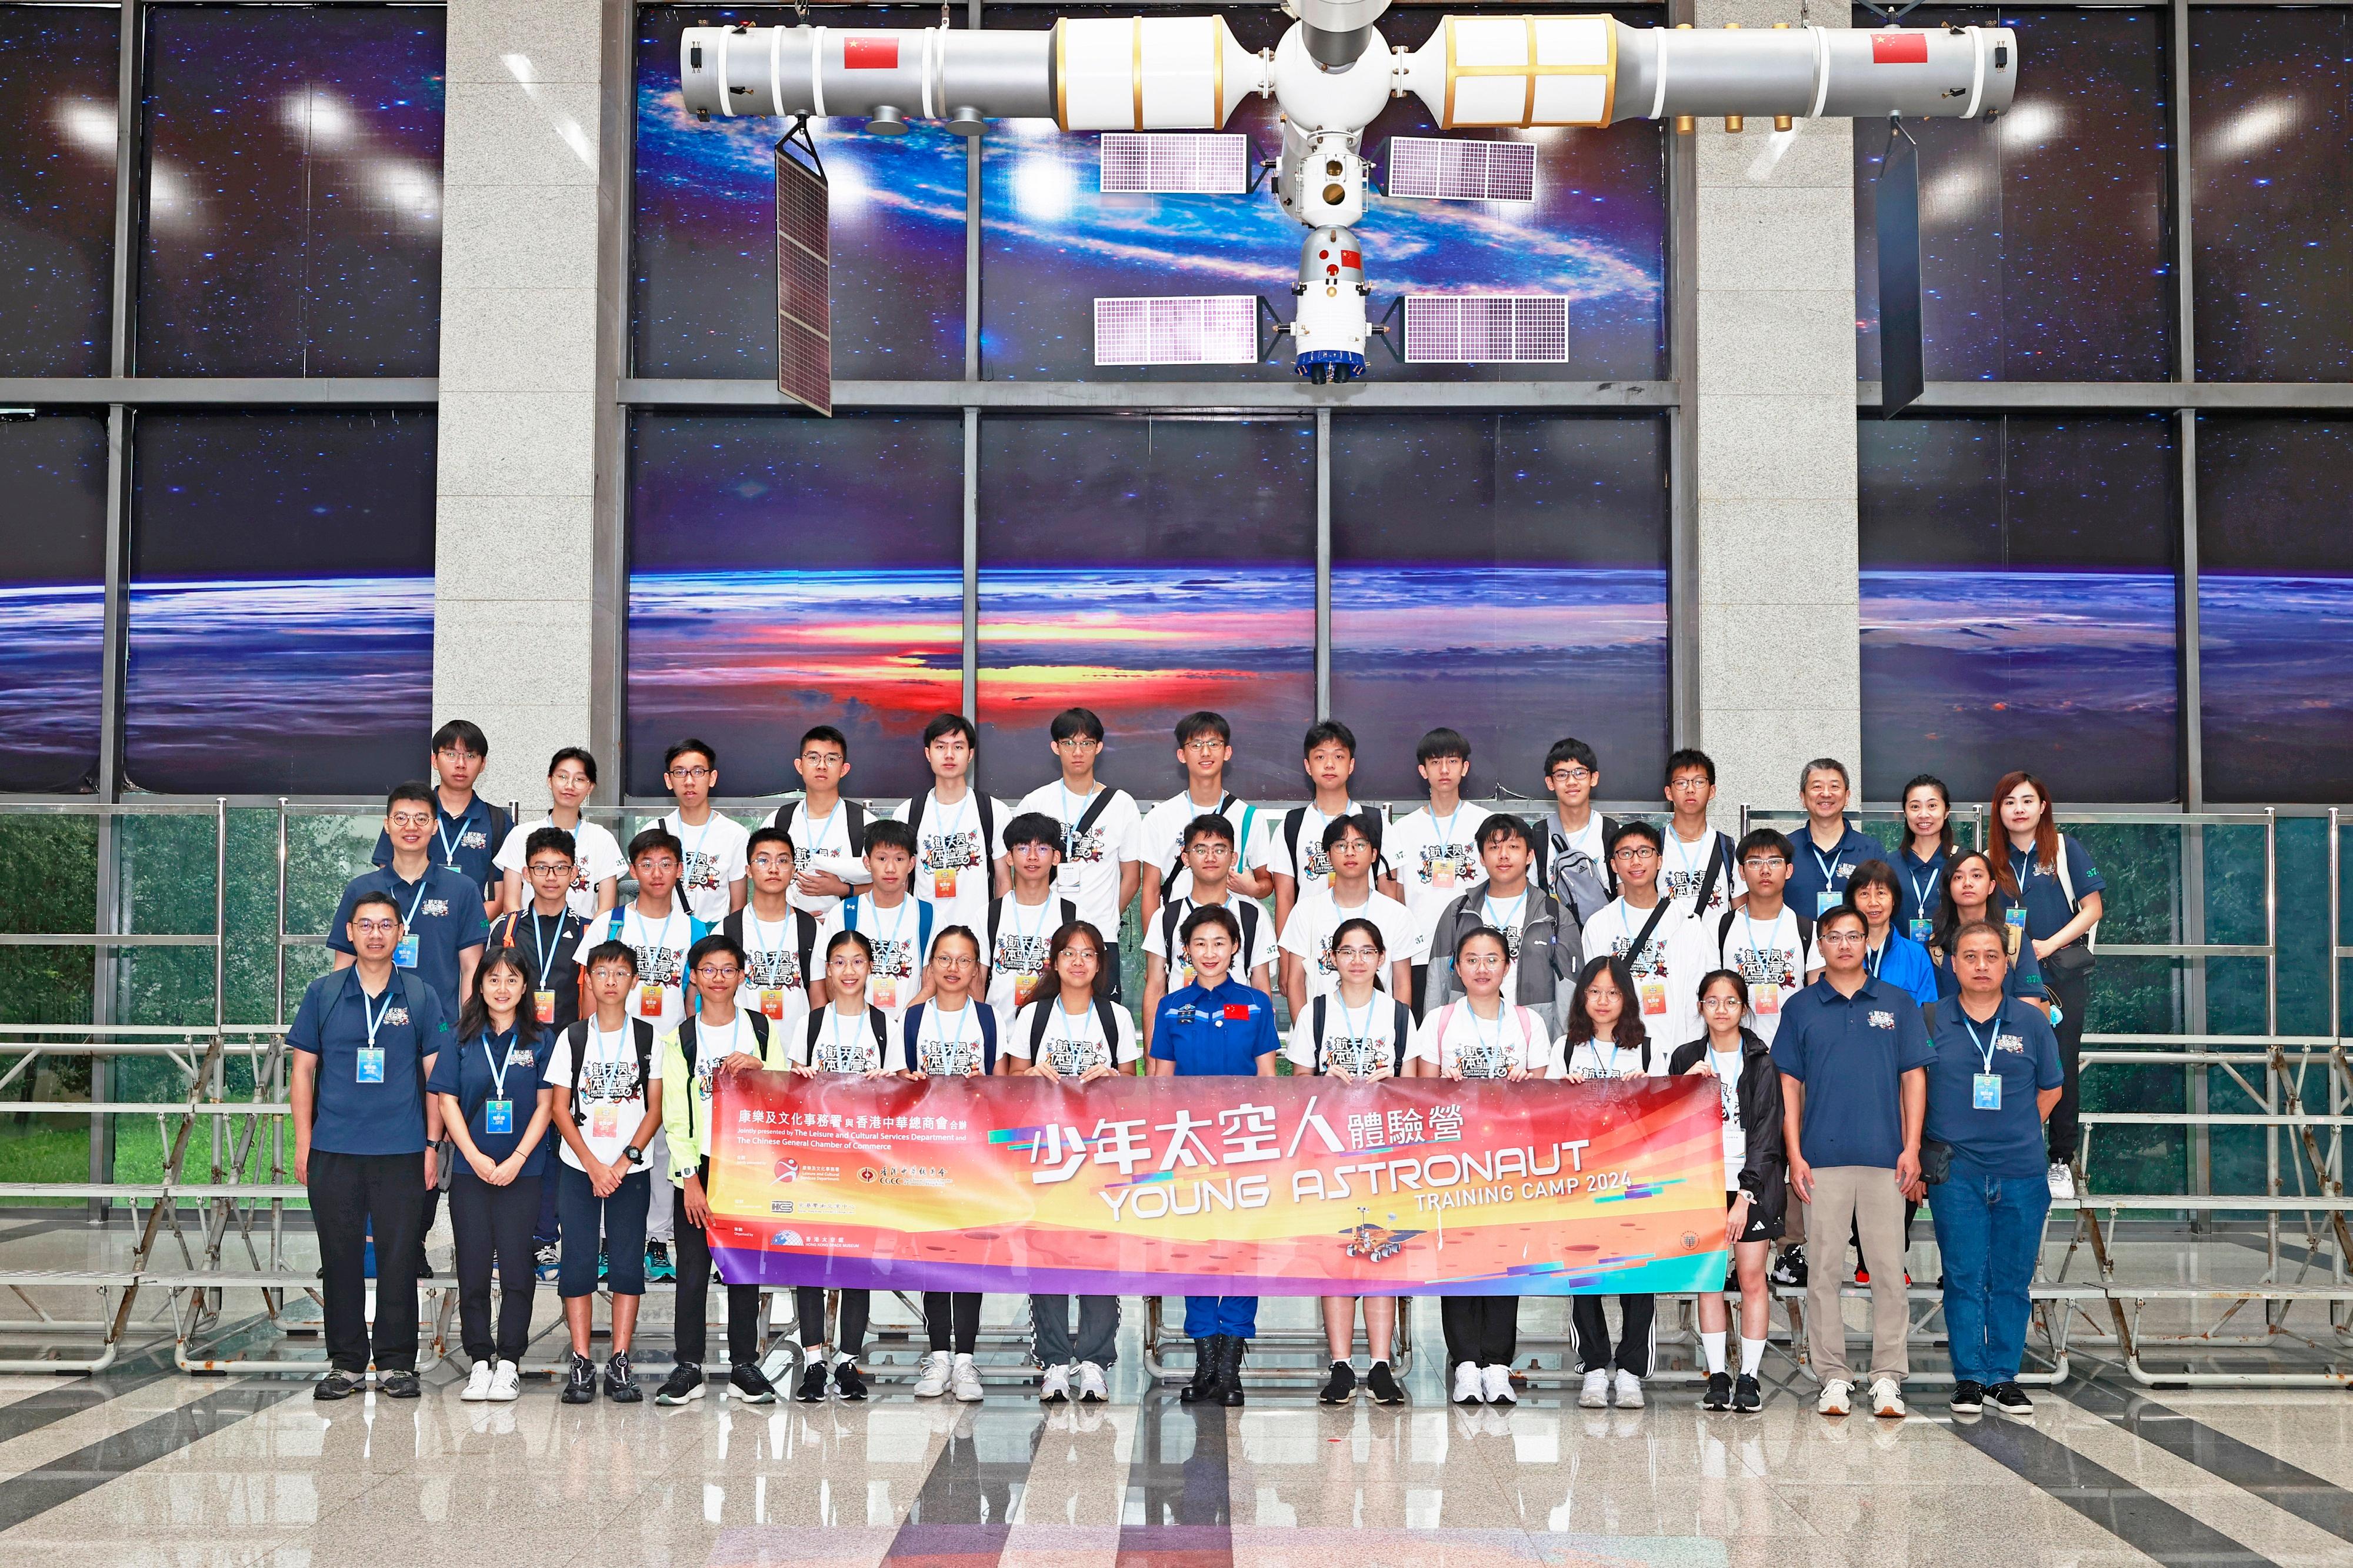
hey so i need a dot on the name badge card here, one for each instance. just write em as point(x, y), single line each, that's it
point(649, 1001)
point(403, 956)
point(772, 1001)
point(498, 1117)
point(542, 1006)
point(371, 1064)
point(1985, 1090)
point(1922, 930)
point(605, 1121)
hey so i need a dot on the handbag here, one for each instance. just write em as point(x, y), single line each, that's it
point(1936, 1160)
point(2077, 958)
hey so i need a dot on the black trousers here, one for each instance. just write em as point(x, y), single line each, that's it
point(691, 1334)
point(2075, 999)
point(1634, 1338)
point(1482, 1329)
point(494, 1222)
point(849, 1336)
point(350, 1194)
point(959, 1310)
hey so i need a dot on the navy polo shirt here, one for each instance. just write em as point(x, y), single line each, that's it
point(464, 843)
point(1919, 888)
point(1852, 1053)
point(466, 1072)
point(2045, 899)
point(2007, 1142)
point(549, 947)
point(353, 1118)
point(1817, 871)
point(1217, 1032)
point(441, 908)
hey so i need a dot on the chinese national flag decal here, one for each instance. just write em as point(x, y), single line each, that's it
point(882, 54)
point(1355, 259)
point(1237, 1012)
point(1907, 47)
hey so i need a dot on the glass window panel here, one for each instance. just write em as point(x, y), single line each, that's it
point(2018, 605)
point(1052, 243)
point(1504, 576)
point(2271, 159)
point(2045, 249)
point(1146, 568)
point(293, 212)
point(703, 280)
point(52, 599)
point(2275, 608)
point(786, 573)
point(281, 602)
point(56, 188)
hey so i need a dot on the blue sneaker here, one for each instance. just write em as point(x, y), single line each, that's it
point(545, 1261)
point(658, 1263)
point(604, 1264)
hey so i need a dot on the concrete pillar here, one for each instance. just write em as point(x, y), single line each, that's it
point(1779, 679)
point(513, 604)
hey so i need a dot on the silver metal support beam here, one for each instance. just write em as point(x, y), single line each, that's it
point(213, 392)
point(617, 119)
point(1323, 565)
point(2073, 396)
point(972, 565)
point(1146, 396)
point(1682, 427)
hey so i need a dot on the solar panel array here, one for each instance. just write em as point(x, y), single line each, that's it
point(1486, 329)
point(1212, 329)
point(804, 286)
point(1446, 170)
point(1214, 164)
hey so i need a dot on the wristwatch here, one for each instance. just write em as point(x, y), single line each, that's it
point(637, 1155)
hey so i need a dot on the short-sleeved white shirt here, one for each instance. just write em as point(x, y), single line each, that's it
point(1435, 858)
point(595, 855)
point(1769, 955)
point(946, 1044)
point(1454, 1037)
point(714, 861)
point(1308, 934)
point(1021, 962)
point(661, 945)
point(1683, 871)
point(1355, 1038)
point(950, 854)
point(820, 844)
point(611, 1098)
point(1313, 870)
point(1163, 837)
point(896, 933)
point(1089, 874)
point(844, 1044)
point(1074, 1045)
point(1663, 970)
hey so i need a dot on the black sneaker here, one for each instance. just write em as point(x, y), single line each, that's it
point(2010, 1400)
point(685, 1383)
point(1969, 1396)
point(1789, 1268)
point(1382, 1385)
point(848, 1381)
point(580, 1381)
point(1719, 1391)
point(621, 1380)
point(336, 1386)
point(401, 1384)
point(813, 1380)
point(751, 1385)
point(1342, 1386)
point(1745, 1394)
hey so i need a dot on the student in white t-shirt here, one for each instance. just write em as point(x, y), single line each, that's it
point(953, 1034)
point(1307, 967)
point(779, 942)
point(1696, 859)
point(828, 832)
point(597, 861)
point(897, 926)
point(606, 1077)
point(1766, 942)
point(1103, 852)
point(1209, 853)
point(710, 875)
point(1607, 1039)
point(959, 842)
point(1020, 932)
point(1645, 929)
point(1295, 860)
point(1433, 853)
point(1205, 745)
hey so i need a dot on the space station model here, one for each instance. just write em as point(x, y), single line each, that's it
point(1160, 80)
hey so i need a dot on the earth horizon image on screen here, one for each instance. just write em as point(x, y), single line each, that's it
point(1161, 89)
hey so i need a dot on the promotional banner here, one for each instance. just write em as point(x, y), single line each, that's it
point(1283, 1186)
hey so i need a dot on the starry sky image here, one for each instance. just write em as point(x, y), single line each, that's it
point(56, 188)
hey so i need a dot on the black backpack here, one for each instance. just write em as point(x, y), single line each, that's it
point(739, 926)
point(874, 1021)
point(1244, 910)
point(686, 1048)
point(987, 822)
point(1106, 1015)
point(1068, 912)
point(575, 1035)
point(1400, 1027)
point(1225, 809)
point(1294, 822)
point(1805, 937)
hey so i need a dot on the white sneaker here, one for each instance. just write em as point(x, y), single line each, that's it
point(506, 1382)
point(2063, 1182)
point(1055, 1389)
point(1596, 1395)
point(935, 1381)
point(964, 1378)
point(1468, 1387)
point(1835, 1397)
point(477, 1383)
point(1495, 1382)
point(1887, 1399)
point(1629, 1391)
point(1091, 1384)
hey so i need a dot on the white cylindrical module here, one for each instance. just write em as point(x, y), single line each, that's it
point(1517, 71)
point(1150, 73)
point(920, 73)
point(1327, 330)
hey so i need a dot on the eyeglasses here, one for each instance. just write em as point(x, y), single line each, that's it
point(957, 961)
point(1717, 1003)
point(1686, 785)
point(1205, 745)
point(1762, 863)
point(1571, 775)
point(1357, 950)
point(376, 928)
point(1846, 937)
point(693, 776)
point(551, 868)
point(1080, 742)
point(409, 819)
point(716, 971)
point(459, 753)
point(1635, 854)
point(823, 759)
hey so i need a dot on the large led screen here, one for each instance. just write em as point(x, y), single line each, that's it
point(57, 187)
point(52, 599)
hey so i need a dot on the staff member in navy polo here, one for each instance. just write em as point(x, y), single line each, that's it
point(2048, 865)
point(1995, 1077)
point(1831, 847)
point(442, 924)
point(1853, 1060)
point(1217, 1026)
point(546, 932)
point(363, 1040)
point(467, 830)
point(1928, 846)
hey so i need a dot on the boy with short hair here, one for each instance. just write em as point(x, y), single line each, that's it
point(1698, 869)
point(711, 866)
point(1205, 745)
point(1433, 853)
point(1020, 932)
point(887, 914)
point(1647, 931)
point(1208, 861)
point(467, 829)
point(781, 979)
point(597, 859)
point(1308, 970)
point(1296, 859)
point(1573, 839)
point(443, 926)
point(1831, 847)
point(959, 851)
point(1102, 832)
point(829, 833)
point(1216, 1026)
point(1542, 948)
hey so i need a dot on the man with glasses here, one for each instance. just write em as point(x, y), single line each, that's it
point(1652, 935)
point(829, 833)
point(469, 829)
point(1853, 1056)
point(443, 925)
point(1573, 839)
point(711, 872)
point(1699, 870)
point(1205, 745)
point(1103, 835)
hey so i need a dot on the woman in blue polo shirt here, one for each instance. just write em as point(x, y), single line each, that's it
point(2060, 889)
point(1974, 890)
point(496, 1105)
point(1888, 954)
point(1928, 847)
point(1994, 1079)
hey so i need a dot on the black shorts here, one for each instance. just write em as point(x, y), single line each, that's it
point(1759, 1227)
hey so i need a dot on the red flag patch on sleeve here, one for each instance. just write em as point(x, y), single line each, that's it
point(882, 54)
point(1908, 46)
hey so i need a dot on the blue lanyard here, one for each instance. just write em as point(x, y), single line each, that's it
point(498, 1067)
point(963, 1016)
point(1985, 1048)
point(375, 1015)
point(1829, 864)
point(1496, 1045)
point(1519, 909)
point(409, 921)
point(546, 953)
point(1921, 889)
point(1366, 1034)
point(1873, 957)
point(441, 836)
